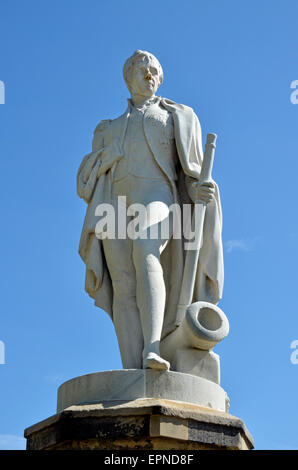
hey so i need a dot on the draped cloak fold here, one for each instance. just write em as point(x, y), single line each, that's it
point(95, 191)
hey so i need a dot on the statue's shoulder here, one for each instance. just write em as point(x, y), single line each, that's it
point(103, 125)
point(183, 108)
point(99, 134)
point(185, 113)
point(106, 124)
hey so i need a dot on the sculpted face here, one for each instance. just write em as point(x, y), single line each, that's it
point(145, 78)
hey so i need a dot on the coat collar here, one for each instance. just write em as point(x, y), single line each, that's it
point(154, 100)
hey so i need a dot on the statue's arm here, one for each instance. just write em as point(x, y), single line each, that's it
point(98, 135)
point(110, 151)
point(89, 168)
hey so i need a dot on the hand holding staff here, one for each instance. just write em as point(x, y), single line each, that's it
point(205, 189)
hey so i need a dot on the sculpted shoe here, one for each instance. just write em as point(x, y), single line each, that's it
point(154, 361)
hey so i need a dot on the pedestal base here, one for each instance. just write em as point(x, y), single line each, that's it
point(142, 424)
point(131, 384)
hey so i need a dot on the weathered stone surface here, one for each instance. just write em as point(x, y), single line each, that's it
point(141, 424)
point(139, 383)
point(160, 288)
point(197, 362)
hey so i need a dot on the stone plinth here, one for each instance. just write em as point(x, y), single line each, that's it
point(140, 409)
point(132, 384)
point(143, 424)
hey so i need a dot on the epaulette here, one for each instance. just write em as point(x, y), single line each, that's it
point(103, 125)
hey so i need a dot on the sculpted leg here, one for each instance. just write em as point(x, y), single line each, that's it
point(151, 298)
point(126, 317)
point(151, 290)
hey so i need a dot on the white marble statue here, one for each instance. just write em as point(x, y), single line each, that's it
point(152, 155)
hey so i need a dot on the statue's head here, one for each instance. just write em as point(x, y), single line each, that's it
point(142, 73)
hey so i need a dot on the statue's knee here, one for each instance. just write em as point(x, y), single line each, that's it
point(124, 288)
point(146, 255)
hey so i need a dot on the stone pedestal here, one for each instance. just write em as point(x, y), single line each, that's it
point(140, 410)
point(131, 384)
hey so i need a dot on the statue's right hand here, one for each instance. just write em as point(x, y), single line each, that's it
point(110, 155)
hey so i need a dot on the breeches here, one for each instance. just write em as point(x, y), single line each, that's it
point(148, 234)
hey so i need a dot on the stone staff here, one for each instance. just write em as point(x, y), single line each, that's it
point(201, 324)
point(192, 256)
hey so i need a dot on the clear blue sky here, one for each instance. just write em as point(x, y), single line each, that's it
point(233, 62)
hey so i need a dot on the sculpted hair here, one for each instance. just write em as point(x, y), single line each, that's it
point(140, 56)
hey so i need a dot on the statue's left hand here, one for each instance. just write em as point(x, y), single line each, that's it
point(202, 192)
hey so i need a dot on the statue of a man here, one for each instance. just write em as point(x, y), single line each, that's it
point(151, 155)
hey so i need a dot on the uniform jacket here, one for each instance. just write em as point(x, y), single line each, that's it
point(110, 134)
